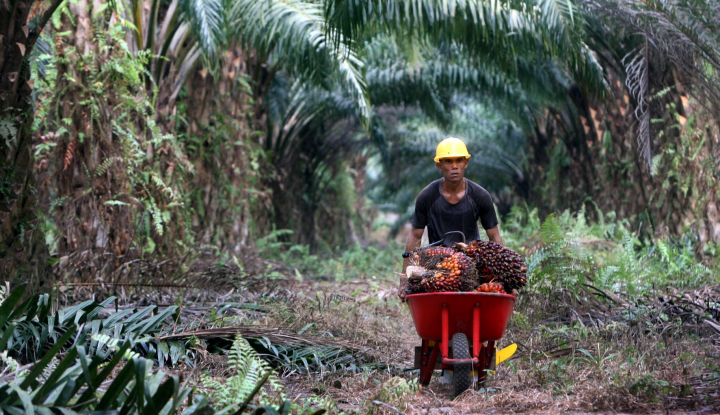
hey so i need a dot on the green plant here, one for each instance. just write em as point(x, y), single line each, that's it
point(250, 373)
point(310, 358)
point(79, 384)
point(394, 392)
point(575, 251)
point(31, 328)
point(599, 358)
point(245, 388)
point(65, 376)
point(648, 387)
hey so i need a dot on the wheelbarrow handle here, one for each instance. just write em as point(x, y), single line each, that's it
point(436, 243)
point(445, 241)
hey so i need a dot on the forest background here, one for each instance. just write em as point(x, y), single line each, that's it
point(157, 141)
point(156, 128)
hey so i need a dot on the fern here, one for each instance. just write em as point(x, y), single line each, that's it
point(629, 252)
point(162, 186)
point(535, 260)
point(8, 132)
point(655, 164)
point(551, 231)
point(664, 250)
point(103, 167)
point(249, 369)
point(156, 215)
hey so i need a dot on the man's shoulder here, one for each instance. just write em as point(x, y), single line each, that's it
point(478, 194)
point(476, 188)
point(430, 192)
point(432, 189)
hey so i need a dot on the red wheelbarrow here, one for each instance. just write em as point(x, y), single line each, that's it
point(454, 326)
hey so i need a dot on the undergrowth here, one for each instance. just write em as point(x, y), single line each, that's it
point(567, 250)
point(353, 263)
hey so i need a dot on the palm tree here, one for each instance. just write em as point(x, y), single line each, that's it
point(21, 242)
point(626, 154)
point(682, 34)
point(180, 37)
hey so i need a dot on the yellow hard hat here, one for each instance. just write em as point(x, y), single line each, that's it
point(451, 147)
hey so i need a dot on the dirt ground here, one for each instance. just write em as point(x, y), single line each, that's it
point(561, 366)
point(532, 382)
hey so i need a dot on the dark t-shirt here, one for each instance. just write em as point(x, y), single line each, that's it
point(440, 216)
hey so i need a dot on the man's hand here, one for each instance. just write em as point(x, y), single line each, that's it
point(413, 242)
point(494, 235)
point(401, 293)
point(402, 287)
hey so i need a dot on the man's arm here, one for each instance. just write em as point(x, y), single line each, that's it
point(493, 235)
point(413, 242)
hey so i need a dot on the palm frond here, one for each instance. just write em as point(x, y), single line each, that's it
point(448, 69)
point(549, 30)
point(636, 66)
point(482, 26)
point(561, 22)
point(292, 35)
point(207, 20)
point(682, 34)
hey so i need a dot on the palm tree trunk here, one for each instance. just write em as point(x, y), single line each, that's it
point(597, 159)
point(218, 110)
point(22, 248)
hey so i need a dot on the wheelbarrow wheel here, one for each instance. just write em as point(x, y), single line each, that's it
point(462, 373)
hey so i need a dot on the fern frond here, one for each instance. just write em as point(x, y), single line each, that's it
point(248, 371)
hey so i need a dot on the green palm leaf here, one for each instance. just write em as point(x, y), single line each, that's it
point(486, 27)
point(207, 20)
point(492, 31)
point(563, 27)
point(443, 71)
point(292, 35)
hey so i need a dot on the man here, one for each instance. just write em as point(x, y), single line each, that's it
point(452, 203)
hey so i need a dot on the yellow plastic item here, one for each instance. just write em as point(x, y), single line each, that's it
point(451, 147)
point(505, 354)
point(501, 356)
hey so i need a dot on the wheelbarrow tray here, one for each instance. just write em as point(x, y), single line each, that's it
point(495, 312)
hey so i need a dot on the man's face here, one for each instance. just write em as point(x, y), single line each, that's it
point(453, 168)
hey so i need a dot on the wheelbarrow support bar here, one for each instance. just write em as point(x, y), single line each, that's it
point(445, 330)
point(473, 360)
point(475, 338)
point(476, 332)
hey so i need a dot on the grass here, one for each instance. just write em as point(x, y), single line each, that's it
point(343, 265)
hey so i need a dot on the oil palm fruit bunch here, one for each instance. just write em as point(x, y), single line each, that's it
point(491, 287)
point(445, 270)
point(440, 282)
point(495, 263)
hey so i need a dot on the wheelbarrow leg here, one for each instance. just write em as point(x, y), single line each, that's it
point(487, 357)
point(427, 362)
